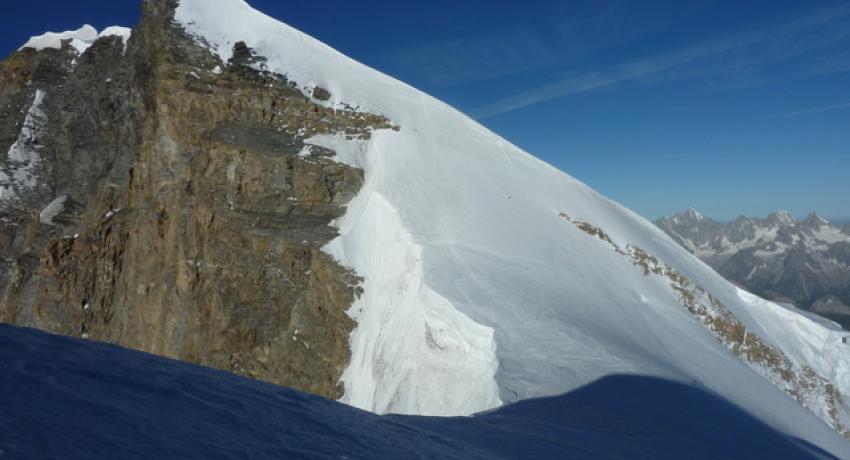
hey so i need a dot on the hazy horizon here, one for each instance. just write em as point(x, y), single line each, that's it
point(841, 221)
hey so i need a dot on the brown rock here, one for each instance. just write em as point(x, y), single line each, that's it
point(198, 226)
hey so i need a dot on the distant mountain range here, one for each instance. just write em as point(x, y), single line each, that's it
point(806, 263)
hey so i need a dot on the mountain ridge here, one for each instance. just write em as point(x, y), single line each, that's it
point(803, 262)
point(284, 212)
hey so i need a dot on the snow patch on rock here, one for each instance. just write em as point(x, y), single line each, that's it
point(117, 31)
point(23, 155)
point(347, 151)
point(52, 210)
point(80, 39)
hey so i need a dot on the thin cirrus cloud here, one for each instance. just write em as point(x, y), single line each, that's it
point(447, 63)
point(565, 33)
point(753, 50)
point(826, 108)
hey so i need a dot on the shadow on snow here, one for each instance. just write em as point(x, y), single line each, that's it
point(71, 399)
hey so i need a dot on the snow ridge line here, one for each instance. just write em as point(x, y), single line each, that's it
point(804, 384)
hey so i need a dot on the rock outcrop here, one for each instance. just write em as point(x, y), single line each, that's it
point(172, 205)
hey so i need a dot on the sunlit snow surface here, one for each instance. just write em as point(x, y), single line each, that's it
point(70, 399)
point(467, 263)
point(80, 39)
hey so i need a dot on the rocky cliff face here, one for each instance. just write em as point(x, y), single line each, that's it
point(158, 198)
point(806, 263)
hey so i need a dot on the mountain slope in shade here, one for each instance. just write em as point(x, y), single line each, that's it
point(70, 399)
point(806, 263)
point(492, 277)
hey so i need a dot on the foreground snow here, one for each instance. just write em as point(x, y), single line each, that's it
point(476, 286)
point(70, 399)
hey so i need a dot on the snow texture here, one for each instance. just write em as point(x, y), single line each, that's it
point(468, 267)
point(80, 39)
point(52, 210)
point(117, 31)
point(74, 399)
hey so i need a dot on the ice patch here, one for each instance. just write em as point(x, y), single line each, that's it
point(117, 31)
point(23, 156)
point(52, 210)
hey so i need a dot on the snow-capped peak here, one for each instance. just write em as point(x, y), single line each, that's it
point(693, 214)
point(80, 39)
point(781, 218)
point(117, 31)
point(815, 221)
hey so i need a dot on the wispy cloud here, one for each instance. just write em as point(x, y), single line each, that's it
point(558, 34)
point(750, 50)
point(826, 108)
point(476, 58)
point(599, 79)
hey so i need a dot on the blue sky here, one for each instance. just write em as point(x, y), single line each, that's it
point(726, 106)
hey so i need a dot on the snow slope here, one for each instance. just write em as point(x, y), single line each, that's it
point(479, 292)
point(72, 399)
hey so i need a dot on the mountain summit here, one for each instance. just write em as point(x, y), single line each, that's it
point(229, 191)
point(814, 221)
